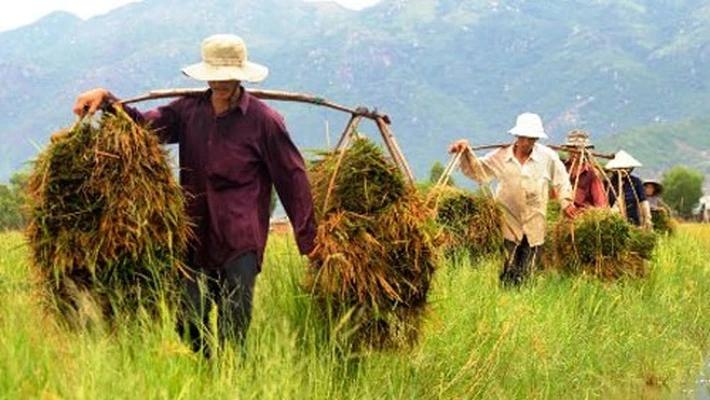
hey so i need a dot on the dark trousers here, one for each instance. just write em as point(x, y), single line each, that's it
point(520, 262)
point(229, 291)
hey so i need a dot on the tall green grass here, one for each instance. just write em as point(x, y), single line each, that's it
point(559, 337)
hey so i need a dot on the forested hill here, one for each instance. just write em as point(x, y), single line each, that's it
point(442, 69)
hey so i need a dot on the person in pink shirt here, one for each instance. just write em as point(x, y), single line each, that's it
point(585, 179)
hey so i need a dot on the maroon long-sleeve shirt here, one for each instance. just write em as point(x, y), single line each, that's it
point(228, 164)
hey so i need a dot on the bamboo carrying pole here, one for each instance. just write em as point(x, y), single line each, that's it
point(585, 154)
point(258, 93)
point(357, 114)
point(568, 149)
point(573, 149)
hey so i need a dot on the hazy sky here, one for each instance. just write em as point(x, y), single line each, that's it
point(14, 14)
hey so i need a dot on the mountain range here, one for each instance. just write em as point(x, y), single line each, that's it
point(634, 73)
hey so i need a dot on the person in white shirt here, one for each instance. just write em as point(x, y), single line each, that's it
point(525, 172)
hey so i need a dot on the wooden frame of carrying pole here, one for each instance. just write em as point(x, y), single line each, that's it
point(356, 115)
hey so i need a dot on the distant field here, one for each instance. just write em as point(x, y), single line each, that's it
point(558, 338)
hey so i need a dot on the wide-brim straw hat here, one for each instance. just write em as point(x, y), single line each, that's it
point(623, 160)
point(528, 125)
point(224, 58)
point(658, 187)
point(578, 138)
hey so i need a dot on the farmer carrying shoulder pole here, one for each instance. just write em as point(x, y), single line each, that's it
point(585, 180)
point(626, 190)
point(232, 149)
point(524, 171)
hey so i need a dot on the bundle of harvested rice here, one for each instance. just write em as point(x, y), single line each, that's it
point(375, 250)
point(642, 242)
point(600, 242)
point(663, 222)
point(366, 181)
point(107, 218)
point(471, 223)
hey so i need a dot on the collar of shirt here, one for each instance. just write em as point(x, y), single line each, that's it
point(534, 155)
point(242, 104)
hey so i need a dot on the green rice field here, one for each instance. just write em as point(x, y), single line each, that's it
point(560, 337)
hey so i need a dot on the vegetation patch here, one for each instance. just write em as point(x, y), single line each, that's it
point(562, 334)
point(663, 222)
point(600, 242)
point(471, 223)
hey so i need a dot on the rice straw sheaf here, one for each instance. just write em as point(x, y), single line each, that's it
point(602, 243)
point(642, 242)
point(471, 222)
point(366, 181)
point(107, 219)
point(663, 222)
point(374, 258)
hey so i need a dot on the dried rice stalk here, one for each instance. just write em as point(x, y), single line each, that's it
point(107, 217)
point(600, 242)
point(471, 223)
point(375, 249)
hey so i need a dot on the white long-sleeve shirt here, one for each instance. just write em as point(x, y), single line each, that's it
point(523, 190)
